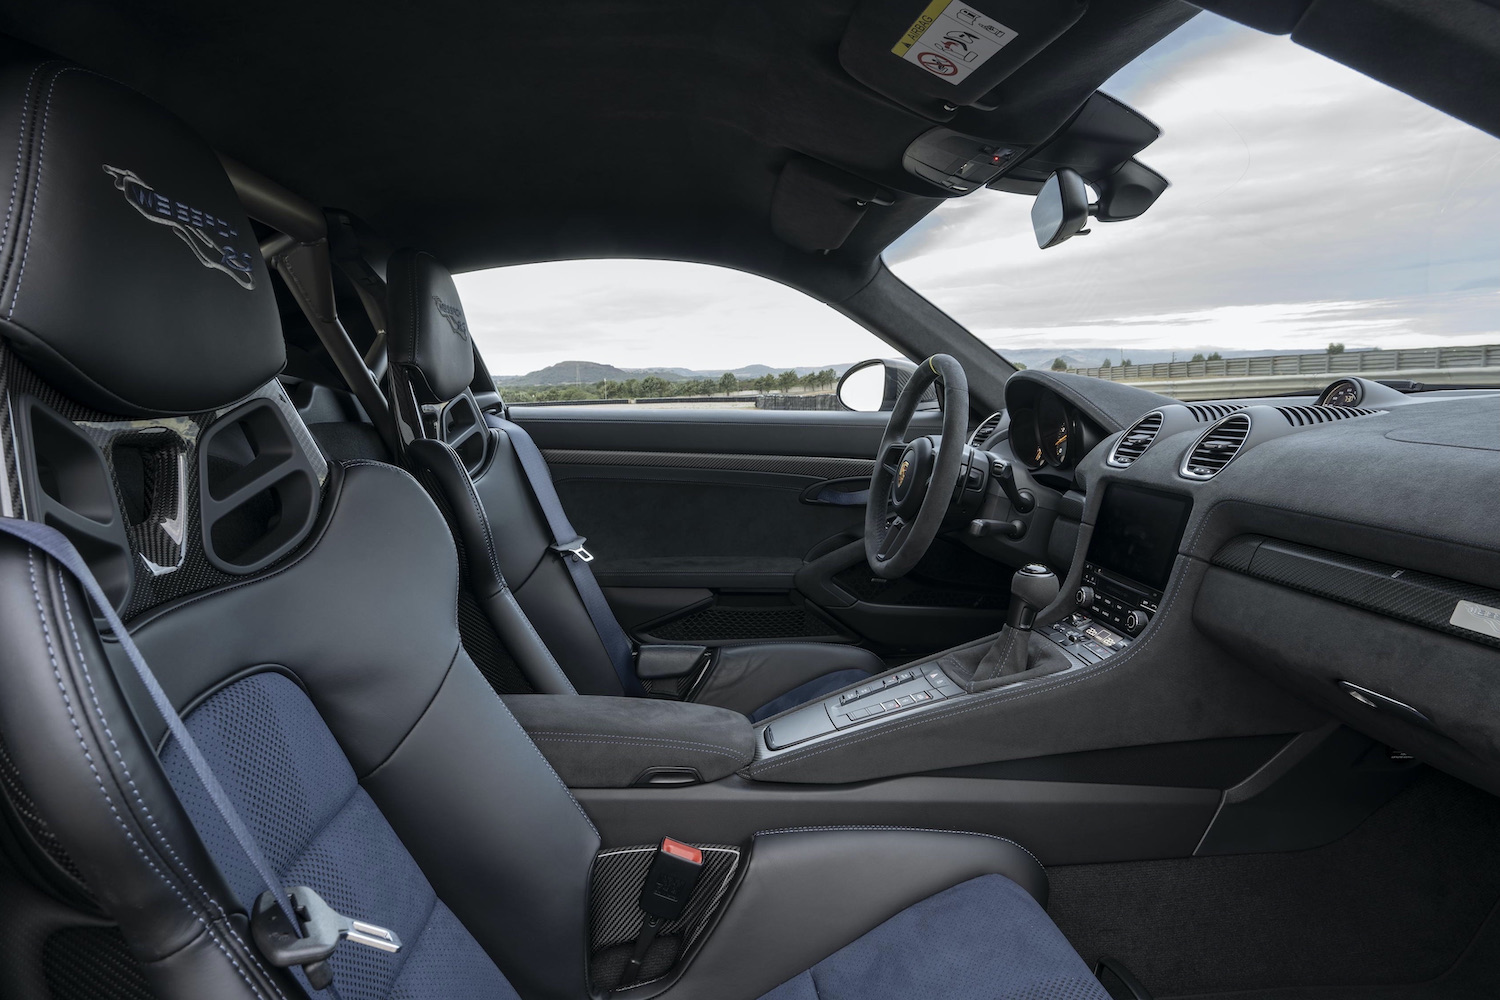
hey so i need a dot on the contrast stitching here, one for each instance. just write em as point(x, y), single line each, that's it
point(108, 800)
point(135, 792)
point(608, 740)
point(15, 180)
point(545, 762)
point(41, 158)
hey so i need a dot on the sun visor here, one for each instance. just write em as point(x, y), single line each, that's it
point(815, 206)
point(948, 54)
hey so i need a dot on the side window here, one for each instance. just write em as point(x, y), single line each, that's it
point(662, 334)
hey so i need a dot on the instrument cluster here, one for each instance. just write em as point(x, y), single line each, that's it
point(1045, 431)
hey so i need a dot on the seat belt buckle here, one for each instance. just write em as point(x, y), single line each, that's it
point(322, 930)
point(574, 548)
point(674, 873)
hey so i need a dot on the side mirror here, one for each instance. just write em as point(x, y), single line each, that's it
point(872, 386)
point(1061, 209)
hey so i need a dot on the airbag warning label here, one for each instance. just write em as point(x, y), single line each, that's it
point(951, 39)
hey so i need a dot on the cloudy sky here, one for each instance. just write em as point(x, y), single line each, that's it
point(1308, 204)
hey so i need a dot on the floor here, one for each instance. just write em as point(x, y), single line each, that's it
point(1403, 908)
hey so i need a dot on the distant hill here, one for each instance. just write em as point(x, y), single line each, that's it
point(586, 373)
point(590, 372)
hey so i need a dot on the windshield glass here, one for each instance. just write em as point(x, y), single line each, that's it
point(1313, 211)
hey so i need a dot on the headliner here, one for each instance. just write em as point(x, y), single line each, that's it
point(492, 134)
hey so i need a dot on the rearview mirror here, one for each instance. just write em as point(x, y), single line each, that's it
point(1061, 209)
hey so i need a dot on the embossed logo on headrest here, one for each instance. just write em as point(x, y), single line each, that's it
point(454, 315)
point(208, 236)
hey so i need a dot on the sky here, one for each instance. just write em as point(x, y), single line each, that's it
point(1309, 204)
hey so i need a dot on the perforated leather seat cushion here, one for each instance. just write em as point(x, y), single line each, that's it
point(297, 794)
point(984, 939)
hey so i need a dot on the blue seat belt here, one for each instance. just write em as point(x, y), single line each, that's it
point(55, 544)
point(568, 544)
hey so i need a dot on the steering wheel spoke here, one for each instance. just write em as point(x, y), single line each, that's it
point(895, 534)
point(890, 459)
point(908, 499)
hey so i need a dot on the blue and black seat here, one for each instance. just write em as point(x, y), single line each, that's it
point(300, 619)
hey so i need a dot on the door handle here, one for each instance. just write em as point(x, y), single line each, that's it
point(849, 492)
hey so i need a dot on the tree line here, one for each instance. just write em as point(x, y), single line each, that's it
point(655, 387)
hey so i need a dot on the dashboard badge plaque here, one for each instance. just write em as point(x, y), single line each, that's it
point(1475, 617)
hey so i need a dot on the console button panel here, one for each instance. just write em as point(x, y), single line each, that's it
point(1086, 639)
point(882, 696)
point(913, 687)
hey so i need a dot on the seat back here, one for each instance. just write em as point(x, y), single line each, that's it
point(432, 366)
point(301, 616)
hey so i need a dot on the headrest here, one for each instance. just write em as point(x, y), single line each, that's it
point(129, 276)
point(427, 333)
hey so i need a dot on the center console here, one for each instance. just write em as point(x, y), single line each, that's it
point(1125, 571)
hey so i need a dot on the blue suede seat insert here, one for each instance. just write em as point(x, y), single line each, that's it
point(984, 939)
point(297, 794)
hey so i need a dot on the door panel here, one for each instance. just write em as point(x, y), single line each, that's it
point(721, 526)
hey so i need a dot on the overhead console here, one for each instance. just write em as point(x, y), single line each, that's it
point(950, 54)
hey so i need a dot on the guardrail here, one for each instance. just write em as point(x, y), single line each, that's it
point(1291, 374)
point(1346, 362)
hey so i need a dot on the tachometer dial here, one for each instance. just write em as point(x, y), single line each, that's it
point(1023, 440)
point(1055, 430)
point(1344, 392)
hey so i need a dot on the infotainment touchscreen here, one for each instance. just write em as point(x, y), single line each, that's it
point(1138, 533)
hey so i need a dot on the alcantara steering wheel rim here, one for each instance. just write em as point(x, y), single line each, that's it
point(907, 505)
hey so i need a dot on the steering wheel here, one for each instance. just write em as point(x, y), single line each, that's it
point(908, 499)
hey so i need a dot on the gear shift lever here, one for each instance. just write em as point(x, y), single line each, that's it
point(1032, 588)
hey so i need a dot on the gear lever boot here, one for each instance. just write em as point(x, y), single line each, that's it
point(1032, 588)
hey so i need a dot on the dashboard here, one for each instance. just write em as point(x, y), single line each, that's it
point(1343, 544)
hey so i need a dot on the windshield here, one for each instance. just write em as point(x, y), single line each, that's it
point(1313, 211)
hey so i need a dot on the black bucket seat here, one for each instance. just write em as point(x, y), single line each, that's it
point(300, 619)
point(525, 562)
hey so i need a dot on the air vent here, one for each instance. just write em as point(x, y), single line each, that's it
point(986, 427)
point(1134, 442)
point(1217, 447)
point(1305, 416)
point(1204, 412)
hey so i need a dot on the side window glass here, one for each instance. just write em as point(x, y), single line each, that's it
point(661, 334)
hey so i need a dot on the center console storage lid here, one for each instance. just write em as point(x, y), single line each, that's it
point(598, 742)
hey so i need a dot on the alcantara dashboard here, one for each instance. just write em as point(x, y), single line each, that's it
point(1348, 545)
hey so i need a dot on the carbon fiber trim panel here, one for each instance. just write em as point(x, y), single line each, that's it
point(722, 623)
point(615, 913)
point(792, 465)
point(92, 963)
point(166, 542)
point(1418, 598)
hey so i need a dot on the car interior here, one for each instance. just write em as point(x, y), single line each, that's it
point(327, 671)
